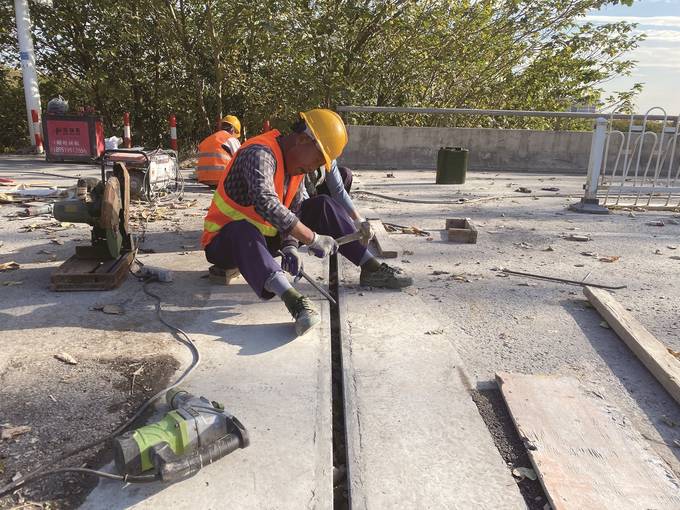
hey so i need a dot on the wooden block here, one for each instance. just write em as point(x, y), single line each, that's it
point(652, 353)
point(386, 247)
point(461, 230)
point(78, 274)
point(582, 456)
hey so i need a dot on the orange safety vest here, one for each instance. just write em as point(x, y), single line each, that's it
point(224, 210)
point(212, 158)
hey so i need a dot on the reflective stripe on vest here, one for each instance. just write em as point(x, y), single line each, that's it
point(211, 155)
point(236, 215)
point(218, 155)
point(223, 210)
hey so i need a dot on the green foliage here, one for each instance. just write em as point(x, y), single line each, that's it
point(13, 112)
point(273, 58)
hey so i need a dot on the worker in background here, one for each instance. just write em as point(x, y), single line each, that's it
point(215, 152)
point(258, 210)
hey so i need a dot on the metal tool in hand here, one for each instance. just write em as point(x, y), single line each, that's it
point(322, 291)
point(354, 236)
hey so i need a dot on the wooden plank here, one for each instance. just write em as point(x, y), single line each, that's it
point(386, 247)
point(652, 353)
point(383, 246)
point(77, 274)
point(583, 456)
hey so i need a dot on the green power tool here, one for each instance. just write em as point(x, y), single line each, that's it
point(195, 433)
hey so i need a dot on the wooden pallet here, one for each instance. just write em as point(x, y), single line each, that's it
point(461, 230)
point(79, 274)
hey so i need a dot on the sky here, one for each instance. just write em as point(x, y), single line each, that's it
point(658, 56)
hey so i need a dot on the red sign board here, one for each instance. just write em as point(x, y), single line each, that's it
point(68, 137)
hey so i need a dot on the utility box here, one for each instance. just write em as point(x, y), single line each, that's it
point(73, 137)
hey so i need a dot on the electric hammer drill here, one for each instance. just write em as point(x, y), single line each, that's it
point(196, 432)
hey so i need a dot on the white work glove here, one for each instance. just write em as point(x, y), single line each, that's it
point(322, 246)
point(365, 228)
point(291, 261)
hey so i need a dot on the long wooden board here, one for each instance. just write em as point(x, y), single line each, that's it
point(652, 353)
point(585, 459)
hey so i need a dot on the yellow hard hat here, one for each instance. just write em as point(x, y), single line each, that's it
point(233, 120)
point(328, 130)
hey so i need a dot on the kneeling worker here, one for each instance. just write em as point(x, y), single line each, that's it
point(215, 152)
point(258, 210)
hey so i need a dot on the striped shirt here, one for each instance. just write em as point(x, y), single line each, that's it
point(251, 182)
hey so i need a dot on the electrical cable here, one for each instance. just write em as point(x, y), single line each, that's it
point(40, 471)
point(461, 201)
point(103, 474)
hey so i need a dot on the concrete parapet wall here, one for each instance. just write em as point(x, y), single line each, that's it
point(515, 150)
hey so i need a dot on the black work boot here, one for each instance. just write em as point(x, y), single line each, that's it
point(303, 311)
point(384, 276)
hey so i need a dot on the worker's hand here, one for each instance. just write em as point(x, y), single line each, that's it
point(322, 246)
point(291, 260)
point(365, 228)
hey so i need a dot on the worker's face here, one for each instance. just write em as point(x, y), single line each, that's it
point(304, 156)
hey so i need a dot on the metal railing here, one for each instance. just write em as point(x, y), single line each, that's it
point(644, 172)
point(496, 113)
point(638, 168)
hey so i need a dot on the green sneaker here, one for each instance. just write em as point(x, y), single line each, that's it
point(385, 277)
point(305, 315)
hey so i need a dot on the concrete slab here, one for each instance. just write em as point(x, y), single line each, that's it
point(414, 436)
point(531, 326)
point(276, 384)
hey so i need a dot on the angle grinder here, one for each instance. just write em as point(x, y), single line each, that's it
point(195, 433)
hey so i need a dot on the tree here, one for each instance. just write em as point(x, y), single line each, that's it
point(273, 58)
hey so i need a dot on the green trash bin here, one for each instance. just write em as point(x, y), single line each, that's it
point(452, 163)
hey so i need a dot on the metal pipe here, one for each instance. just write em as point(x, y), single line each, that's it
point(498, 113)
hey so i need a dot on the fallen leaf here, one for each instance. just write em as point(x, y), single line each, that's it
point(113, 309)
point(66, 358)
point(12, 432)
point(610, 258)
point(523, 472)
point(11, 283)
point(674, 353)
point(604, 325)
point(9, 266)
point(435, 332)
point(522, 189)
point(437, 272)
point(589, 254)
point(672, 247)
point(549, 248)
